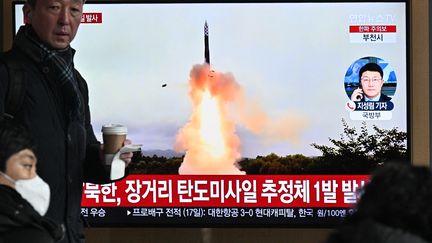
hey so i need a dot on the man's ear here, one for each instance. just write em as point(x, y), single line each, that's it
point(27, 11)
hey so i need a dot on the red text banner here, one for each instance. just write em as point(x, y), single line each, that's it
point(328, 191)
point(91, 18)
point(372, 28)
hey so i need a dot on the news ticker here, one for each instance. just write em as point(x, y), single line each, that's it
point(213, 217)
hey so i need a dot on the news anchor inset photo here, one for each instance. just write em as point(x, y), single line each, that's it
point(370, 79)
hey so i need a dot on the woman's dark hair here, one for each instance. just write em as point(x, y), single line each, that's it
point(14, 137)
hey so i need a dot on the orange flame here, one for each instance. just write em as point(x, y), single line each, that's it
point(209, 138)
point(210, 130)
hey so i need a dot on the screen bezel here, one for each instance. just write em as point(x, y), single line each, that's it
point(407, 66)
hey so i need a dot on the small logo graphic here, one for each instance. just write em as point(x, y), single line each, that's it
point(350, 105)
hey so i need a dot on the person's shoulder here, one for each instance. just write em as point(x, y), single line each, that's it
point(56, 230)
point(14, 57)
point(369, 230)
point(8, 55)
point(10, 59)
point(15, 206)
point(3, 60)
point(26, 234)
point(384, 98)
point(8, 194)
point(21, 223)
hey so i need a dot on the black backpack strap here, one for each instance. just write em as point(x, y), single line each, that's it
point(16, 88)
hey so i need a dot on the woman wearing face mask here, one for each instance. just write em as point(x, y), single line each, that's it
point(24, 197)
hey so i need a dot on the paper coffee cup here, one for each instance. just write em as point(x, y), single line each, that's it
point(114, 136)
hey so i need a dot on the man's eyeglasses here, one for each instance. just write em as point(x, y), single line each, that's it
point(373, 80)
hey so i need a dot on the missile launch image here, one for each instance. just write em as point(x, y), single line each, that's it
point(206, 44)
point(263, 90)
point(209, 140)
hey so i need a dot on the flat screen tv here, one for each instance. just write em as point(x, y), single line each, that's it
point(249, 113)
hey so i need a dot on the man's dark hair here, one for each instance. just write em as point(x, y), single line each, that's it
point(371, 66)
point(32, 3)
point(398, 197)
point(14, 137)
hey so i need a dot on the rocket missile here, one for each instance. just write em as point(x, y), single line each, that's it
point(206, 44)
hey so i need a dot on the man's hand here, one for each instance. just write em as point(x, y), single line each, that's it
point(357, 95)
point(127, 157)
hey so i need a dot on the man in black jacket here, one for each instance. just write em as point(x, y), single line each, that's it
point(55, 107)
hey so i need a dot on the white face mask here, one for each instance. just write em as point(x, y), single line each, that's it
point(35, 191)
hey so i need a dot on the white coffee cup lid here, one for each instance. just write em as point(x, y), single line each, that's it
point(114, 129)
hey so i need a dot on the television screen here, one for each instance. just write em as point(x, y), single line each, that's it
point(248, 114)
